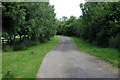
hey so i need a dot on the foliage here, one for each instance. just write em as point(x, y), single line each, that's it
point(8, 48)
point(115, 42)
point(99, 24)
point(69, 27)
point(34, 21)
point(19, 47)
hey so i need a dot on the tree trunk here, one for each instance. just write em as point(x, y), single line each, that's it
point(10, 40)
point(14, 39)
point(20, 38)
point(24, 36)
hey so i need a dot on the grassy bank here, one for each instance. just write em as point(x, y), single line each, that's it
point(107, 54)
point(25, 63)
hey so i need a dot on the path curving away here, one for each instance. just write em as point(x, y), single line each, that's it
point(67, 62)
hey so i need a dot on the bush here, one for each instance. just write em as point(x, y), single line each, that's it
point(29, 43)
point(21, 46)
point(7, 48)
point(33, 43)
point(114, 42)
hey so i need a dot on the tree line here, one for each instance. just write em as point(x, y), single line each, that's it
point(34, 21)
point(26, 24)
point(99, 24)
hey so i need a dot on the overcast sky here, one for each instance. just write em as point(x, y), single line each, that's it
point(67, 7)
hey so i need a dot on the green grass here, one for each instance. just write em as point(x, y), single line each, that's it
point(108, 54)
point(0, 65)
point(24, 64)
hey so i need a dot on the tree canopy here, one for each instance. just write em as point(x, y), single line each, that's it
point(33, 20)
point(99, 24)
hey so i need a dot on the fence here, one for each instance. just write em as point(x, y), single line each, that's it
point(3, 41)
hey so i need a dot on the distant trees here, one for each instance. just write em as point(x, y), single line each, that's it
point(69, 27)
point(32, 20)
point(99, 24)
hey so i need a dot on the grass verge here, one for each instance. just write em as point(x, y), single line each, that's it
point(26, 63)
point(108, 54)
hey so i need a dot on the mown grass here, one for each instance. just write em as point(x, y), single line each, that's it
point(108, 54)
point(26, 63)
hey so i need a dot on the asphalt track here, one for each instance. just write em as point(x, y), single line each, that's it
point(66, 62)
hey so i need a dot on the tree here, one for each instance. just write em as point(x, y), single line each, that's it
point(98, 24)
point(33, 20)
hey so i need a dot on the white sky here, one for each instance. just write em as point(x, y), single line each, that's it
point(67, 7)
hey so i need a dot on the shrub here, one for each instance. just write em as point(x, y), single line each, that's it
point(7, 48)
point(29, 43)
point(32, 43)
point(21, 46)
point(114, 42)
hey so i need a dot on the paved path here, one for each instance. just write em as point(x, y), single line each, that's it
point(66, 62)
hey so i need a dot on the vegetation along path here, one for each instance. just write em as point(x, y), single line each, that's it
point(66, 62)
